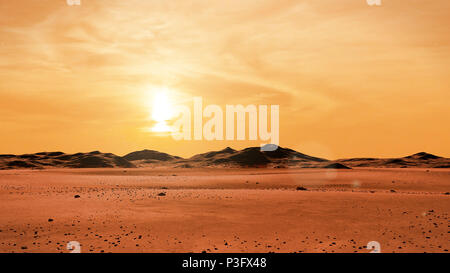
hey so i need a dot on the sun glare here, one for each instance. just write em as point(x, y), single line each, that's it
point(161, 111)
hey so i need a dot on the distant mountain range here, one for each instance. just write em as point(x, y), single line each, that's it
point(94, 159)
point(228, 157)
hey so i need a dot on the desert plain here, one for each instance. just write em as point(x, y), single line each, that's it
point(165, 209)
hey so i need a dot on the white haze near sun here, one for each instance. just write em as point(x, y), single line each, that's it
point(162, 110)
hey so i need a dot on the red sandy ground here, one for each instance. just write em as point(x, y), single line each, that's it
point(225, 210)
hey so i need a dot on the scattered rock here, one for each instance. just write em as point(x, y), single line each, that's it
point(301, 189)
point(162, 194)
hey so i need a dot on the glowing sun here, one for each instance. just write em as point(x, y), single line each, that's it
point(162, 111)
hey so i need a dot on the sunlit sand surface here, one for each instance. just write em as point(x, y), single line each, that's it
point(224, 210)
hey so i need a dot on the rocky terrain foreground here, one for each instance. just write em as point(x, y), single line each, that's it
point(160, 209)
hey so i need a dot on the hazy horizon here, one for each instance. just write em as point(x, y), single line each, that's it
point(201, 152)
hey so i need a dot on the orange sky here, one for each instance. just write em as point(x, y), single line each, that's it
point(351, 80)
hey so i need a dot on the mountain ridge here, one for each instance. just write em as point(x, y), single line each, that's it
point(227, 157)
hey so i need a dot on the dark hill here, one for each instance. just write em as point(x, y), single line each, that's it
point(149, 154)
point(61, 160)
point(213, 154)
point(286, 153)
point(423, 156)
point(252, 156)
point(336, 166)
point(249, 157)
